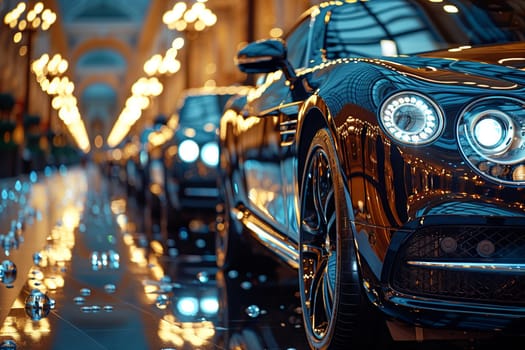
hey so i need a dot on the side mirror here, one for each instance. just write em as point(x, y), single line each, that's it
point(263, 56)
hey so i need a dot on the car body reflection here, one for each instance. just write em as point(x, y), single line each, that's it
point(378, 155)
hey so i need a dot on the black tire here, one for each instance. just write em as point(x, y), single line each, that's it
point(336, 313)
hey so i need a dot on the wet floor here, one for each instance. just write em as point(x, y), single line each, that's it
point(79, 271)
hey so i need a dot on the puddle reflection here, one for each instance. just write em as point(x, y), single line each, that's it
point(96, 281)
point(89, 277)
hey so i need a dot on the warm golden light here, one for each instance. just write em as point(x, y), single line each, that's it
point(99, 141)
point(37, 17)
point(450, 9)
point(61, 88)
point(276, 32)
point(144, 89)
point(180, 17)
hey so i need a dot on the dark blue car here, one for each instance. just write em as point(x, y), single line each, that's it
point(382, 154)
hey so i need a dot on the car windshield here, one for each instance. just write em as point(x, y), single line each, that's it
point(396, 27)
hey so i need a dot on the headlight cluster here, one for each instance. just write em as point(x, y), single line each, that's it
point(491, 136)
point(411, 118)
point(191, 306)
point(189, 151)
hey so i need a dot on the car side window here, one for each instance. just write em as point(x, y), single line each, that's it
point(378, 29)
point(297, 42)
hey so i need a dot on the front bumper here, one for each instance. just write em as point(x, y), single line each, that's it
point(457, 275)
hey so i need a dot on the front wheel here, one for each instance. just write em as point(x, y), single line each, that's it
point(335, 309)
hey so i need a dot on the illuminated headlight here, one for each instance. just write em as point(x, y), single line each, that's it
point(411, 118)
point(489, 132)
point(491, 137)
point(188, 151)
point(492, 132)
point(188, 306)
point(210, 154)
point(209, 305)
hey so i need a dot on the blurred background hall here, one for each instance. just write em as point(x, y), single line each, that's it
point(68, 67)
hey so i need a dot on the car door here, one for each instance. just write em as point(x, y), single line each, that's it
point(260, 152)
point(267, 141)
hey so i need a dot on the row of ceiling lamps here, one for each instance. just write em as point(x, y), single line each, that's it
point(49, 74)
point(178, 18)
point(61, 88)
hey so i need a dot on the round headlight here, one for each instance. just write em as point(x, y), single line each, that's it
point(489, 137)
point(210, 154)
point(489, 132)
point(188, 306)
point(492, 131)
point(188, 151)
point(209, 305)
point(411, 118)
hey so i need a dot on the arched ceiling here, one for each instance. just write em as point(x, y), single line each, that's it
point(101, 36)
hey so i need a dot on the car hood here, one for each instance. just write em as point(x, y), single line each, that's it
point(508, 55)
point(495, 65)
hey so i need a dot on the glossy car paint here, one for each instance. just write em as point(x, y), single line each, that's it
point(398, 194)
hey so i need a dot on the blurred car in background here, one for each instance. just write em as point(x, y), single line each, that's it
point(382, 155)
point(183, 161)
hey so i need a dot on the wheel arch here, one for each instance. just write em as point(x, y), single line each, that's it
point(311, 118)
point(313, 115)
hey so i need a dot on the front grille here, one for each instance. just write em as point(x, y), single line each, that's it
point(508, 246)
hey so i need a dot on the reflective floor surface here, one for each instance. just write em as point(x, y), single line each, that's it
point(78, 272)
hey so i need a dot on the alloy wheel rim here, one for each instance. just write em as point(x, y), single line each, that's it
point(318, 248)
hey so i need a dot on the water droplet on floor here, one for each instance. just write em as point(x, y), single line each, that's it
point(8, 272)
point(110, 288)
point(86, 309)
point(79, 300)
point(85, 292)
point(38, 305)
point(37, 258)
point(96, 308)
point(108, 308)
point(246, 285)
point(162, 301)
point(233, 274)
point(8, 344)
point(253, 311)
